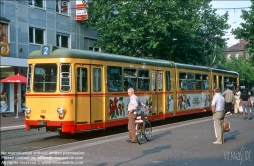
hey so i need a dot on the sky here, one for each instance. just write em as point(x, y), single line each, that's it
point(234, 8)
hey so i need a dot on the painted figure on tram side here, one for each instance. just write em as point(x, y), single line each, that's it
point(180, 102)
point(4, 102)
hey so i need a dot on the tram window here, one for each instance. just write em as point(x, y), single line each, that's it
point(227, 83)
point(143, 80)
point(81, 79)
point(130, 78)
point(205, 85)
point(114, 79)
point(96, 79)
point(168, 83)
point(153, 81)
point(234, 83)
point(65, 78)
point(231, 79)
point(160, 81)
point(214, 82)
point(183, 81)
point(191, 81)
point(45, 77)
point(29, 78)
point(198, 79)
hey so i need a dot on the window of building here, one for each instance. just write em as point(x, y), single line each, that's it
point(228, 56)
point(114, 79)
point(65, 77)
point(236, 56)
point(247, 55)
point(62, 40)
point(37, 3)
point(130, 78)
point(36, 35)
point(4, 29)
point(89, 44)
point(62, 6)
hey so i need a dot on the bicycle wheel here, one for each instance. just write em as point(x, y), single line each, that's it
point(148, 131)
point(139, 135)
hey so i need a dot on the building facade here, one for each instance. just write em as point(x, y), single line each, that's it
point(25, 25)
point(237, 50)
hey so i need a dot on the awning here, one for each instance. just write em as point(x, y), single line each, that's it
point(16, 78)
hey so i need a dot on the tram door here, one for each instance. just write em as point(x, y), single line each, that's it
point(89, 99)
point(83, 103)
point(157, 95)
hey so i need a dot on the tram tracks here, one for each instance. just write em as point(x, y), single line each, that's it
point(21, 140)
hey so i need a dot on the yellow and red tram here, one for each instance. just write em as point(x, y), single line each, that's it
point(72, 90)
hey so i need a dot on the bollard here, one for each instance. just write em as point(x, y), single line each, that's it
point(17, 112)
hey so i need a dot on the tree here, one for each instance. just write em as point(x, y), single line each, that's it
point(246, 30)
point(244, 68)
point(173, 30)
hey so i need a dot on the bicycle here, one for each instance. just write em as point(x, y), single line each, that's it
point(143, 128)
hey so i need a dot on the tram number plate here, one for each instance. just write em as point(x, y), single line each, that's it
point(42, 123)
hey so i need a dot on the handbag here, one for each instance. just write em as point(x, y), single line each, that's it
point(226, 125)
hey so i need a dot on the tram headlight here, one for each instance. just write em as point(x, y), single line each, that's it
point(60, 111)
point(27, 110)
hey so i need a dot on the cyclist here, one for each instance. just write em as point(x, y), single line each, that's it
point(133, 107)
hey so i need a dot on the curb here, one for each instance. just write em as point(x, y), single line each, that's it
point(8, 128)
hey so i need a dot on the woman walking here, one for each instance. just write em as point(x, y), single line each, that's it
point(4, 101)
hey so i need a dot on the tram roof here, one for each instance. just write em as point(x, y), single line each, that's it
point(196, 67)
point(75, 53)
point(223, 71)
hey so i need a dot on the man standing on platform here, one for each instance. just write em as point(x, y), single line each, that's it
point(218, 105)
point(133, 106)
point(229, 97)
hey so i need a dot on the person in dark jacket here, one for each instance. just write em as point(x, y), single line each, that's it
point(245, 103)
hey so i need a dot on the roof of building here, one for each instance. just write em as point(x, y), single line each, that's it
point(237, 47)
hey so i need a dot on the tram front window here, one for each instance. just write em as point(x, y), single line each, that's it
point(45, 77)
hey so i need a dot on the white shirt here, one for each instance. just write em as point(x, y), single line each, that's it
point(237, 95)
point(218, 102)
point(133, 104)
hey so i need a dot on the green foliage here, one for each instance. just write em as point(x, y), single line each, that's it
point(243, 67)
point(183, 31)
point(246, 30)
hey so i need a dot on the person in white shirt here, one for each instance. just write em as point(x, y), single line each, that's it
point(218, 105)
point(133, 106)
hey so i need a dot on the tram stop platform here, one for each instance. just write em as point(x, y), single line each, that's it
point(183, 143)
point(12, 121)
